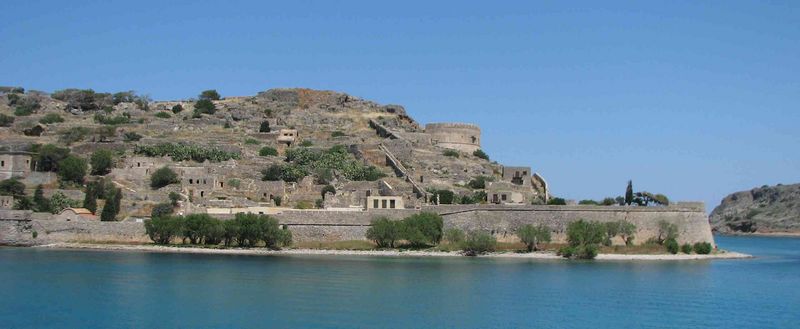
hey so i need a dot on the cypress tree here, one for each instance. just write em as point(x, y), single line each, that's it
point(90, 200)
point(109, 212)
point(117, 202)
point(629, 193)
point(39, 201)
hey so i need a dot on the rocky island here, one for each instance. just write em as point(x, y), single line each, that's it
point(80, 166)
point(770, 210)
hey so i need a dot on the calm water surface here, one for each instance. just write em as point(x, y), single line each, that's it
point(90, 289)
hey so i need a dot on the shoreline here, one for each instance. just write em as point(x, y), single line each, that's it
point(549, 255)
point(762, 234)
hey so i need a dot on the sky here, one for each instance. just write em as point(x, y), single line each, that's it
point(692, 99)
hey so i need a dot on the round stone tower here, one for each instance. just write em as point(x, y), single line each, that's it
point(458, 136)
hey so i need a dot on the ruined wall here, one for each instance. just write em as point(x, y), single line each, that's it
point(320, 225)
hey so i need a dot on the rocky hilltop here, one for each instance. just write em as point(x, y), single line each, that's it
point(296, 148)
point(767, 209)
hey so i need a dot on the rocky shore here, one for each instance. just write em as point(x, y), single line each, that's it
point(389, 253)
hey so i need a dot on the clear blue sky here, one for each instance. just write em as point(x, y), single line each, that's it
point(692, 99)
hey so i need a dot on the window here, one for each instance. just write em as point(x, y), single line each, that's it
point(525, 173)
point(265, 195)
point(138, 164)
point(504, 197)
point(391, 204)
point(2, 163)
point(374, 203)
point(221, 184)
point(191, 181)
point(202, 193)
point(383, 204)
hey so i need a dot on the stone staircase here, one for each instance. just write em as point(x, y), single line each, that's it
point(401, 171)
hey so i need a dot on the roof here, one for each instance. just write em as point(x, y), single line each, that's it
point(79, 211)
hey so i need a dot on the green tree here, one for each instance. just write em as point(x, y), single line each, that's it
point(702, 248)
point(629, 193)
point(90, 197)
point(686, 248)
point(178, 108)
point(110, 209)
point(161, 210)
point(478, 242)
point(264, 127)
point(162, 229)
point(204, 106)
point(24, 203)
point(49, 156)
point(384, 232)
point(102, 161)
point(666, 231)
point(41, 204)
point(174, 197)
point(12, 187)
point(557, 201)
point(72, 169)
point(531, 236)
point(422, 229)
point(163, 177)
point(584, 238)
point(59, 202)
point(672, 246)
point(328, 189)
point(6, 120)
point(210, 94)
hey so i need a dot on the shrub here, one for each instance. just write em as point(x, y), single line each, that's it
point(531, 236)
point(454, 236)
point(235, 183)
point(72, 169)
point(183, 152)
point(107, 120)
point(26, 106)
point(161, 210)
point(384, 232)
point(84, 99)
point(102, 161)
point(588, 203)
point(443, 196)
point(267, 151)
point(249, 229)
point(12, 187)
point(131, 136)
point(608, 202)
point(163, 115)
point(174, 197)
point(204, 106)
point(686, 248)
point(251, 141)
point(90, 197)
point(210, 94)
point(557, 202)
point(451, 153)
point(163, 177)
point(23, 203)
point(579, 252)
point(277, 199)
point(287, 173)
point(338, 133)
point(264, 127)
point(422, 229)
point(304, 204)
point(672, 246)
point(51, 118)
point(336, 158)
point(6, 120)
point(73, 134)
point(178, 108)
point(702, 248)
point(477, 242)
point(162, 229)
point(307, 143)
point(328, 189)
point(479, 182)
point(481, 154)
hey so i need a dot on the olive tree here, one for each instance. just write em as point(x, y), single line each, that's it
point(531, 235)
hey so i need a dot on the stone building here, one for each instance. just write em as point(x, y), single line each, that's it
point(75, 215)
point(507, 193)
point(15, 164)
point(385, 202)
point(6, 202)
point(287, 136)
point(517, 175)
point(458, 136)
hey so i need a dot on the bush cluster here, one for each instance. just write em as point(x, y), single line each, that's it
point(305, 161)
point(182, 152)
point(51, 118)
point(451, 153)
point(267, 151)
point(531, 236)
point(478, 242)
point(584, 238)
point(702, 248)
point(481, 154)
point(6, 120)
point(112, 121)
point(245, 230)
point(162, 177)
point(423, 229)
point(163, 115)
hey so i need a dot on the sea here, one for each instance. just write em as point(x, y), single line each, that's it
point(51, 288)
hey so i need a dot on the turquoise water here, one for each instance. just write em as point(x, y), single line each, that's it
point(90, 289)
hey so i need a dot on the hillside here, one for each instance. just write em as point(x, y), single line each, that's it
point(282, 147)
point(767, 209)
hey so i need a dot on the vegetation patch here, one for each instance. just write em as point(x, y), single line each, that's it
point(183, 152)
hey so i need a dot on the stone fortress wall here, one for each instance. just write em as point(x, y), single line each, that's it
point(322, 225)
point(459, 136)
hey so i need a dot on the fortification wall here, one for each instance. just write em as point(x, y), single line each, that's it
point(318, 225)
point(459, 136)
